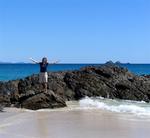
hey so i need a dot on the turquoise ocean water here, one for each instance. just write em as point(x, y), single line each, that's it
point(16, 71)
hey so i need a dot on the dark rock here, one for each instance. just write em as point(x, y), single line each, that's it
point(5, 100)
point(108, 80)
point(146, 76)
point(1, 108)
point(43, 100)
point(9, 87)
point(109, 62)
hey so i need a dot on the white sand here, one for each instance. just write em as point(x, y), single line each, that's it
point(72, 124)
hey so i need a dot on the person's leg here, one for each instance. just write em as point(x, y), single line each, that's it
point(42, 80)
point(45, 82)
point(45, 86)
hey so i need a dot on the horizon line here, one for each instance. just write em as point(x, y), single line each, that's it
point(72, 63)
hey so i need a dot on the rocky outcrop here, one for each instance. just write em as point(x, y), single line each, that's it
point(43, 100)
point(109, 81)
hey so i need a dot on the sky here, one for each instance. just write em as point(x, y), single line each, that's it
point(75, 31)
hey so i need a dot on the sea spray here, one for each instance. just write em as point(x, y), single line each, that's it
point(119, 106)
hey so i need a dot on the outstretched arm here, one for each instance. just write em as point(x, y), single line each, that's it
point(34, 60)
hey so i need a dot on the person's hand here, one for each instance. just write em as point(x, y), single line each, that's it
point(33, 60)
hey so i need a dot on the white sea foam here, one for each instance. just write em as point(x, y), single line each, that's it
point(120, 106)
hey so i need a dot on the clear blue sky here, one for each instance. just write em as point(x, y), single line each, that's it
point(75, 31)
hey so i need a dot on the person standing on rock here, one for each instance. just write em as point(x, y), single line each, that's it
point(43, 76)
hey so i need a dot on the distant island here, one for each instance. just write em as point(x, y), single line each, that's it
point(117, 62)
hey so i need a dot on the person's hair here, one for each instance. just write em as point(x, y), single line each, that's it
point(44, 60)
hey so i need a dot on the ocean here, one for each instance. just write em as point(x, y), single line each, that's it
point(17, 71)
point(138, 108)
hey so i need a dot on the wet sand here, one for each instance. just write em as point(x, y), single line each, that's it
point(72, 124)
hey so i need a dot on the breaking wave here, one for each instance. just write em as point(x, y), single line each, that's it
point(119, 106)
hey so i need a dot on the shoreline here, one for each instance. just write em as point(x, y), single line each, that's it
point(71, 124)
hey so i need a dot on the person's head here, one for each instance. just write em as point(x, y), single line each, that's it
point(44, 60)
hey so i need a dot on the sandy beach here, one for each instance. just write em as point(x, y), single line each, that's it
point(17, 123)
